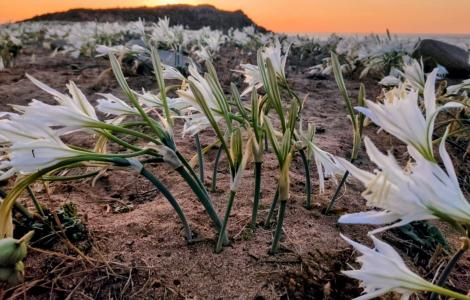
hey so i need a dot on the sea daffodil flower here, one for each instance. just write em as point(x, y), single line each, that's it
point(112, 105)
point(27, 157)
point(74, 112)
point(326, 163)
point(422, 193)
point(384, 271)
point(252, 73)
point(403, 118)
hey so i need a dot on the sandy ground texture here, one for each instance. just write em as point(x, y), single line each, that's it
point(136, 248)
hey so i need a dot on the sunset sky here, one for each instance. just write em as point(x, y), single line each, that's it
point(400, 16)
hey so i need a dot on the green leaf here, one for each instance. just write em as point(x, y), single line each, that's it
point(158, 70)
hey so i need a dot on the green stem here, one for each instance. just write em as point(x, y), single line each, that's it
point(292, 93)
point(200, 157)
point(126, 131)
point(167, 194)
point(36, 203)
point(216, 168)
point(203, 198)
point(191, 172)
point(222, 234)
point(267, 223)
point(24, 211)
point(308, 185)
point(19, 207)
point(280, 222)
point(66, 178)
point(448, 293)
point(257, 194)
point(452, 262)
point(336, 194)
point(133, 124)
point(354, 155)
point(107, 157)
point(119, 141)
point(266, 143)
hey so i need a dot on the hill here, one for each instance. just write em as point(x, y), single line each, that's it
point(194, 17)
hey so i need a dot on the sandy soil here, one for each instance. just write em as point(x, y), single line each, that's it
point(142, 253)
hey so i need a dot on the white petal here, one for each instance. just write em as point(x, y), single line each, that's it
point(430, 93)
point(369, 217)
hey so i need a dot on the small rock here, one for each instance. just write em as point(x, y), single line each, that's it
point(58, 44)
point(136, 42)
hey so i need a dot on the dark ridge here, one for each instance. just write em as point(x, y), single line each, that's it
point(193, 17)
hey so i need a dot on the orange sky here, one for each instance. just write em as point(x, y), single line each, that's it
point(400, 16)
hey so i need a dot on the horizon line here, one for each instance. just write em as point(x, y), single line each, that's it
point(244, 12)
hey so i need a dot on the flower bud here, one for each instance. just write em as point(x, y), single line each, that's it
point(169, 156)
point(12, 275)
point(284, 180)
point(236, 146)
point(13, 250)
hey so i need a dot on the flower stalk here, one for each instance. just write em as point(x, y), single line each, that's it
point(216, 169)
point(357, 121)
point(169, 196)
point(258, 170)
point(280, 222)
point(200, 157)
point(222, 232)
point(450, 265)
point(272, 208)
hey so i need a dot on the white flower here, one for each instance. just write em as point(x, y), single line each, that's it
point(195, 115)
point(140, 26)
point(438, 189)
point(203, 53)
point(103, 50)
point(112, 105)
point(39, 154)
point(413, 73)
point(315, 70)
point(203, 87)
point(384, 271)
point(195, 123)
point(40, 148)
point(15, 129)
point(274, 53)
point(73, 112)
point(78, 101)
point(385, 189)
point(252, 77)
point(402, 117)
point(422, 193)
point(454, 89)
point(326, 163)
point(252, 73)
point(151, 100)
point(170, 72)
point(327, 166)
point(68, 119)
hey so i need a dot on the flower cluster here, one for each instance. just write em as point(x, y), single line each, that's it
point(423, 190)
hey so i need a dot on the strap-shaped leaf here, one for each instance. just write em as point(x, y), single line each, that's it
point(158, 70)
point(342, 88)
